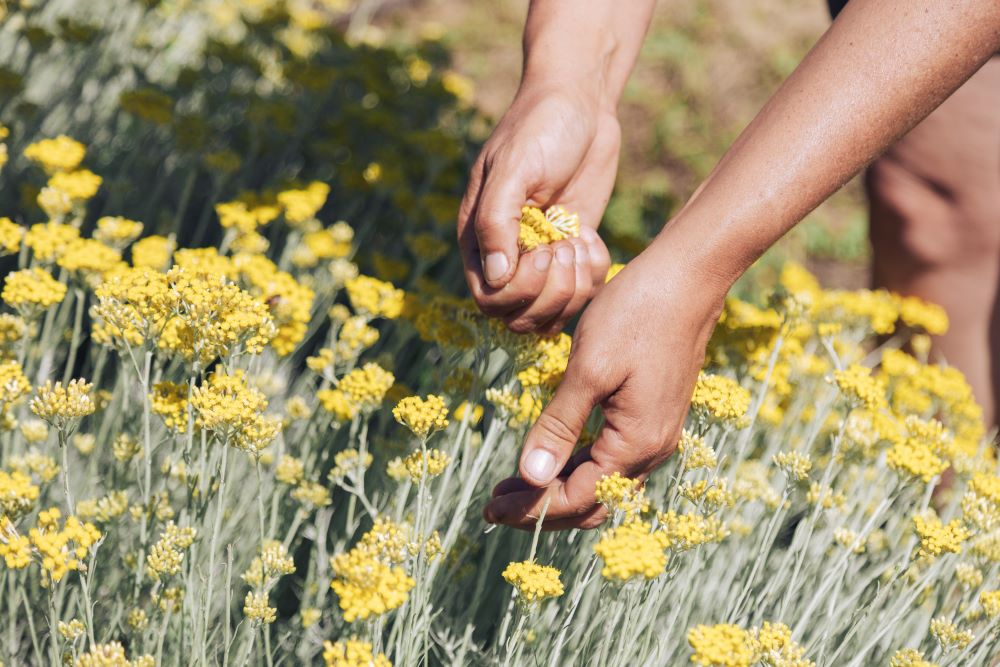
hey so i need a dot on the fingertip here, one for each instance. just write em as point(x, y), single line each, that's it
point(538, 466)
point(497, 268)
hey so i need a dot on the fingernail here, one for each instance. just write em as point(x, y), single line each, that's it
point(540, 465)
point(495, 266)
point(542, 260)
point(565, 255)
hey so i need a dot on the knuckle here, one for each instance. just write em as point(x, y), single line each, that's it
point(554, 428)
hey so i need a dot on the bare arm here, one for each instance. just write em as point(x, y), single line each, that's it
point(557, 144)
point(879, 70)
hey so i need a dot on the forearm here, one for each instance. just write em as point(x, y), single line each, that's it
point(879, 70)
point(591, 45)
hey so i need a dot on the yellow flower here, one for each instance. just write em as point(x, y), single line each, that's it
point(429, 465)
point(272, 563)
point(422, 416)
point(920, 314)
point(909, 657)
point(366, 585)
point(72, 630)
point(723, 645)
point(257, 608)
point(234, 411)
point(17, 494)
point(632, 549)
point(719, 397)
point(533, 582)
point(311, 494)
point(153, 252)
point(539, 228)
point(990, 601)
point(365, 387)
point(937, 538)
point(167, 555)
point(117, 231)
point(58, 154)
point(948, 635)
point(860, 388)
point(687, 531)
point(61, 404)
point(301, 206)
point(794, 464)
point(915, 458)
point(289, 470)
point(79, 185)
point(90, 258)
point(169, 401)
point(621, 494)
point(31, 290)
point(352, 653)
point(10, 236)
point(374, 297)
point(111, 655)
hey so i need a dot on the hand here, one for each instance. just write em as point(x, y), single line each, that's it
point(553, 146)
point(636, 353)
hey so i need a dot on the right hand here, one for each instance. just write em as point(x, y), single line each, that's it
point(553, 146)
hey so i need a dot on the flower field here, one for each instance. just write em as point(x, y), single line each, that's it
point(248, 416)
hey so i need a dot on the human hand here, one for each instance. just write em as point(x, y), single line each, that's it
point(636, 352)
point(553, 146)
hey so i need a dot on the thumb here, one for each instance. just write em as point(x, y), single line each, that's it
point(497, 225)
point(554, 435)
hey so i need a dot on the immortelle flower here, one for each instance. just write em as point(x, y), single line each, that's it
point(117, 231)
point(167, 555)
point(374, 297)
point(11, 234)
point(915, 459)
point(695, 453)
point(948, 634)
point(227, 406)
point(352, 653)
point(30, 291)
point(860, 388)
point(17, 494)
point(364, 388)
point(721, 398)
point(58, 154)
point(62, 550)
point(632, 549)
point(421, 465)
point(723, 645)
point(621, 494)
point(368, 584)
point(79, 185)
point(541, 361)
point(111, 655)
point(62, 405)
point(937, 538)
point(272, 563)
point(909, 657)
point(532, 581)
point(795, 465)
point(301, 206)
point(990, 601)
point(422, 416)
point(257, 608)
point(687, 531)
point(538, 228)
point(153, 252)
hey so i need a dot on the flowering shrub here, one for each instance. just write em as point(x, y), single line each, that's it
point(274, 449)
